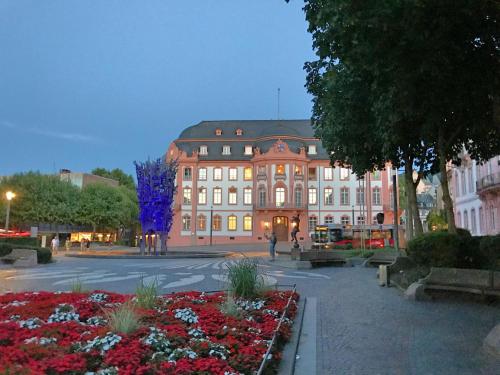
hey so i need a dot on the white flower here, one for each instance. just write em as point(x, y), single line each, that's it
point(186, 315)
point(41, 340)
point(197, 332)
point(30, 323)
point(182, 353)
point(63, 313)
point(15, 304)
point(157, 339)
point(98, 297)
point(96, 321)
point(102, 343)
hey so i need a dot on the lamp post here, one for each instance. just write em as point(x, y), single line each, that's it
point(9, 195)
point(395, 206)
point(211, 223)
point(353, 215)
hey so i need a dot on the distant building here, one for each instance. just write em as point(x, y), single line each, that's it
point(83, 179)
point(239, 180)
point(475, 191)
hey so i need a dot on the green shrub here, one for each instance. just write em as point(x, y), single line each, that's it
point(244, 278)
point(77, 286)
point(229, 307)
point(123, 319)
point(146, 294)
point(44, 254)
point(26, 241)
point(490, 251)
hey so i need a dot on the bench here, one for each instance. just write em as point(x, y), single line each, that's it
point(480, 282)
point(316, 257)
point(381, 257)
point(21, 258)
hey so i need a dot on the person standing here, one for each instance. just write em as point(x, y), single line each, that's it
point(54, 244)
point(272, 245)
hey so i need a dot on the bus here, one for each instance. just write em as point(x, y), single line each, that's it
point(375, 236)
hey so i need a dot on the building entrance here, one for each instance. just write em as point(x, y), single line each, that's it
point(280, 227)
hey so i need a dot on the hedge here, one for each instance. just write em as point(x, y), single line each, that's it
point(27, 241)
point(44, 254)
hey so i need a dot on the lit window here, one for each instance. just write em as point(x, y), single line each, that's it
point(360, 196)
point(280, 169)
point(202, 195)
point(344, 196)
point(233, 174)
point(248, 150)
point(248, 173)
point(233, 195)
point(313, 221)
point(313, 196)
point(344, 173)
point(345, 220)
point(311, 150)
point(202, 222)
point(280, 197)
point(247, 195)
point(217, 196)
point(328, 196)
point(361, 220)
point(186, 196)
point(202, 174)
point(298, 170)
point(247, 222)
point(217, 174)
point(376, 196)
point(328, 173)
point(231, 222)
point(226, 150)
point(239, 132)
point(186, 223)
point(218, 131)
point(329, 219)
point(203, 150)
point(187, 174)
point(217, 223)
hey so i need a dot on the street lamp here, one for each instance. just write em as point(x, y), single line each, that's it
point(395, 207)
point(9, 195)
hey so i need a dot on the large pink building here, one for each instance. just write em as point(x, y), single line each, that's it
point(475, 191)
point(238, 180)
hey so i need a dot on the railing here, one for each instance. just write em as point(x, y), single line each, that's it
point(280, 176)
point(299, 176)
point(275, 206)
point(488, 181)
point(261, 176)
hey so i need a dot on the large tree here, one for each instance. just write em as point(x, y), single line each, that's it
point(116, 174)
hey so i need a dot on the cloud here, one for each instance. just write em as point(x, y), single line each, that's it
point(48, 133)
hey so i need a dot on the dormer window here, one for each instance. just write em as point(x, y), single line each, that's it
point(248, 150)
point(311, 150)
point(226, 150)
point(239, 132)
point(203, 150)
point(218, 131)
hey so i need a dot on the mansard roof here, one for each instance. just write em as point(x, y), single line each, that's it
point(257, 133)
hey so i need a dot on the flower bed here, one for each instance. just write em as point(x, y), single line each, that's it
point(185, 333)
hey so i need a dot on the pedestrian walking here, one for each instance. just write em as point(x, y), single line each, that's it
point(272, 244)
point(54, 244)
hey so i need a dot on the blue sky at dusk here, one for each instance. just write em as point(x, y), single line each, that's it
point(103, 83)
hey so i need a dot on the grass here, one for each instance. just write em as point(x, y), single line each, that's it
point(229, 307)
point(147, 294)
point(77, 286)
point(244, 279)
point(124, 319)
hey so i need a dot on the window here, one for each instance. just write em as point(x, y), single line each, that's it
point(298, 196)
point(376, 196)
point(233, 174)
point(239, 132)
point(202, 222)
point(312, 173)
point(466, 219)
point(262, 170)
point(344, 173)
point(328, 196)
point(473, 221)
point(361, 220)
point(360, 196)
point(247, 195)
point(328, 173)
point(217, 196)
point(457, 184)
point(313, 221)
point(376, 175)
point(202, 174)
point(262, 196)
point(233, 195)
point(280, 197)
point(329, 219)
point(248, 150)
point(203, 150)
point(247, 173)
point(280, 169)
point(312, 196)
point(492, 217)
point(311, 150)
point(186, 223)
point(226, 150)
point(344, 220)
point(462, 182)
point(298, 170)
point(231, 222)
point(471, 184)
point(202, 195)
point(218, 131)
point(187, 174)
point(459, 220)
point(217, 174)
point(186, 195)
point(247, 222)
point(344, 196)
point(481, 220)
point(217, 223)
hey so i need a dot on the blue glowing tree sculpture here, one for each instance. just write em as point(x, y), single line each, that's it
point(155, 192)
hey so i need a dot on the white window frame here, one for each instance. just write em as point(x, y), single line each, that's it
point(248, 150)
point(312, 196)
point(247, 195)
point(247, 223)
point(202, 195)
point(311, 150)
point(232, 219)
point(328, 174)
point(202, 174)
point(233, 174)
point(217, 193)
point(217, 174)
point(203, 150)
point(226, 150)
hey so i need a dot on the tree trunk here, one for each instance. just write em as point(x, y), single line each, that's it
point(411, 191)
point(448, 204)
point(142, 243)
point(409, 218)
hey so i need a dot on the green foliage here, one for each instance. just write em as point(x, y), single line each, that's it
point(28, 241)
point(436, 220)
point(146, 295)
point(77, 286)
point(123, 319)
point(229, 307)
point(117, 174)
point(244, 278)
point(490, 250)
point(44, 255)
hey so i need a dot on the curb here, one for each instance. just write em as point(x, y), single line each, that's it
point(287, 365)
point(152, 257)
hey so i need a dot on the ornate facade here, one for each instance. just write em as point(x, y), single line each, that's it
point(239, 180)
